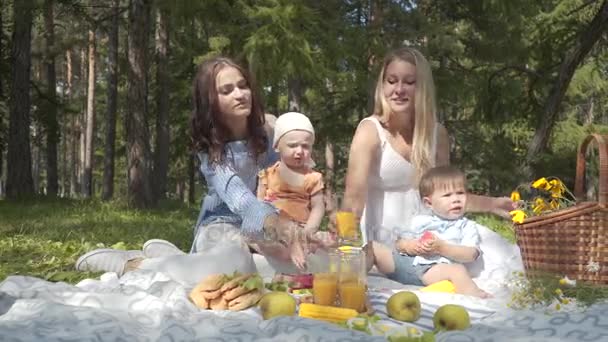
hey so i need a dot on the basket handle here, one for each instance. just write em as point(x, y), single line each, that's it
point(580, 167)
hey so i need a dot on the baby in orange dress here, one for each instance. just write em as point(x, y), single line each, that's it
point(292, 186)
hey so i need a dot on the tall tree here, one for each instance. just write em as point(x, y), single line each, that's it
point(138, 148)
point(51, 123)
point(19, 158)
point(81, 122)
point(110, 143)
point(570, 62)
point(87, 181)
point(2, 130)
point(161, 158)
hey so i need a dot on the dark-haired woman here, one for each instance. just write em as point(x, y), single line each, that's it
point(233, 141)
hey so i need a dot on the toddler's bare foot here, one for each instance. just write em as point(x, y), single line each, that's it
point(482, 294)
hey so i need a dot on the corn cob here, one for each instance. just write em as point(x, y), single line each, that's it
point(326, 313)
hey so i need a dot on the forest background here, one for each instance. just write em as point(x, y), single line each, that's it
point(95, 101)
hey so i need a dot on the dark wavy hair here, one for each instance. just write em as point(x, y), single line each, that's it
point(208, 132)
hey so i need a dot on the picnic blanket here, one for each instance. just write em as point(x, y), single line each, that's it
point(148, 306)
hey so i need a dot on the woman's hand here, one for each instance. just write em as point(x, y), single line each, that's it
point(501, 206)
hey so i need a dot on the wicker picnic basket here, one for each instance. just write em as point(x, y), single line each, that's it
point(569, 242)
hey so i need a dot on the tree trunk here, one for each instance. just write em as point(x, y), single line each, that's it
point(138, 150)
point(330, 198)
point(570, 62)
point(589, 114)
point(87, 182)
point(2, 130)
point(294, 94)
point(161, 160)
point(52, 126)
point(81, 123)
point(110, 148)
point(36, 154)
point(19, 158)
point(72, 138)
point(374, 24)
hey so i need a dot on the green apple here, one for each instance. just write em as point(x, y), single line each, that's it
point(276, 303)
point(451, 317)
point(404, 306)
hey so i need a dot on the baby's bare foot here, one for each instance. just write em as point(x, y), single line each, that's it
point(483, 294)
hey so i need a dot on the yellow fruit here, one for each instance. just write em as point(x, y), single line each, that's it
point(451, 317)
point(275, 304)
point(404, 306)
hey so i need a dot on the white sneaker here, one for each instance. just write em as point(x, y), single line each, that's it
point(159, 248)
point(106, 259)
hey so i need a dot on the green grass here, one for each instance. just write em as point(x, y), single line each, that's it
point(43, 238)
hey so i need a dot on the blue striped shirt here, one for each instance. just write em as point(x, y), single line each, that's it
point(232, 184)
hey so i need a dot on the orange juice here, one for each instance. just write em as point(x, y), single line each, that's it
point(353, 295)
point(325, 288)
point(346, 224)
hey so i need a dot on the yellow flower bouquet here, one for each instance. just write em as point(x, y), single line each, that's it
point(544, 195)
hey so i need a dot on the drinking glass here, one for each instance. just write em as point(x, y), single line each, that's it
point(325, 280)
point(352, 280)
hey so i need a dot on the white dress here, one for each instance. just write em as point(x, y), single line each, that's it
point(392, 194)
point(393, 200)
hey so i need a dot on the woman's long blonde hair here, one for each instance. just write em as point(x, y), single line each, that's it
point(425, 116)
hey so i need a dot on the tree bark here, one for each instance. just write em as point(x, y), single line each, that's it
point(72, 137)
point(52, 126)
point(110, 147)
point(330, 198)
point(570, 63)
point(81, 123)
point(87, 182)
point(138, 150)
point(374, 24)
point(2, 128)
point(161, 160)
point(19, 158)
point(294, 94)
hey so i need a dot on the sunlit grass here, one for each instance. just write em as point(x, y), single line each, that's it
point(43, 238)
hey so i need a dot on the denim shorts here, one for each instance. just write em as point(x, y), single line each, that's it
point(405, 271)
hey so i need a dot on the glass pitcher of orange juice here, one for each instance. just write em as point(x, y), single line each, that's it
point(352, 280)
point(325, 281)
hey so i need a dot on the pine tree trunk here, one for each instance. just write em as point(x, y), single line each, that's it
point(52, 126)
point(19, 158)
point(110, 147)
point(294, 94)
point(82, 122)
point(36, 153)
point(2, 130)
point(330, 197)
point(572, 59)
point(138, 150)
point(87, 182)
point(71, 138)
point(161, 160)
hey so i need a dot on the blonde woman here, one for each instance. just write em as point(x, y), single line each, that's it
point(391, 149)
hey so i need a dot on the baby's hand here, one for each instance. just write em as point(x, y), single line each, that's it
point(297, 255)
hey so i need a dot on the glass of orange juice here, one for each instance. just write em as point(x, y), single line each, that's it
point(348, 228)
point(325, 281)
point(352, 280)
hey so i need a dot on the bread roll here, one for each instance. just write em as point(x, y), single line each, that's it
point(245, 301)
